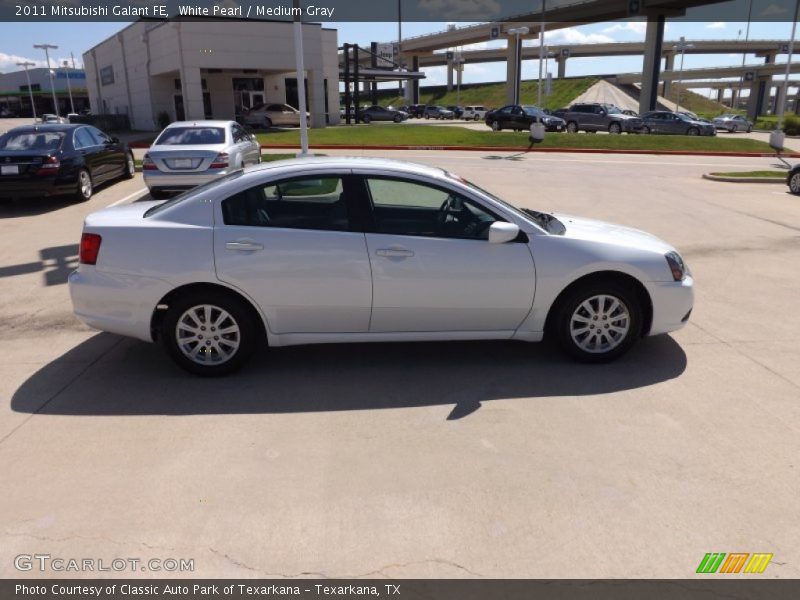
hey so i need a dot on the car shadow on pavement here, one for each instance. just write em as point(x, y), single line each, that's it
point(112, 376)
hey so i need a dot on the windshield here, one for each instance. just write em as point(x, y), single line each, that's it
point(613, 110)
point(192, 193)
point(533, 111)
point(32, 140)
point(191, 136)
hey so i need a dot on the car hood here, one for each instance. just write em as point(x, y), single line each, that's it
point(610, 233)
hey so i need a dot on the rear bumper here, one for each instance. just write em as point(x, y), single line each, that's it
point(35, 187)
point(672, 303)
point(166, 181)
point(121, 304)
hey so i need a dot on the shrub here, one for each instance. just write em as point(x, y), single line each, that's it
point(791, 126)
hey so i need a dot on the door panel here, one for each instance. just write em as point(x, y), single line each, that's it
point(288, 247)
point(440, 284)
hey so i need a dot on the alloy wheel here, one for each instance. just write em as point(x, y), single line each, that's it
point(600, 323)
point(794, 183)
point(85, 184)
point(207, 335)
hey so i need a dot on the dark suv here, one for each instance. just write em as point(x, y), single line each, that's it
point(600, 117)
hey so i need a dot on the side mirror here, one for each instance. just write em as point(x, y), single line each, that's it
point(500, 232)
point(114, 140)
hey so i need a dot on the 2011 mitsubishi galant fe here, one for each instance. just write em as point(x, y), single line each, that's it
point(322, 250)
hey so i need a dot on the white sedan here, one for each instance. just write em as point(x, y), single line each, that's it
point(366, 250)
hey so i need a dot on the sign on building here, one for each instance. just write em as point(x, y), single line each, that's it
point(384, 55)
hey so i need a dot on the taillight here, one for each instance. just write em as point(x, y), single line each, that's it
point(148, 164)
point(90, 248)
point(220, 162)
point(49, 166)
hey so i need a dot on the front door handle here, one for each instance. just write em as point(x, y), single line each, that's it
point(244, 246)
point(394, 252)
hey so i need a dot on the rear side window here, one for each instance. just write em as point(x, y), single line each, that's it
point(191, 136)
point(302, 203)
point(83, 138)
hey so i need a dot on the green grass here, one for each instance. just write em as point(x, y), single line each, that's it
point(493, 94)
point(764, 174)
point(436, 135)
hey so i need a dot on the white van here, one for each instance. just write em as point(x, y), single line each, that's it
point(474, 113)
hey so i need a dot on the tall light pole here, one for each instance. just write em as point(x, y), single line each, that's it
point(541, 51)
point(738, 94)
point(25, 65)
point(782, 105)
point(458, 61)
point(69, 86)
point(301, 80)
point(681, 47)
point(516, 32)
point(47, 48)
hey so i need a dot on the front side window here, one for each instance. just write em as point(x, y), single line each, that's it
point(403, 207)
point(305, 203)
point(99, 137)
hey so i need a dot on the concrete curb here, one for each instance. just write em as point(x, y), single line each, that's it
point(711, 177)
point(140, 146)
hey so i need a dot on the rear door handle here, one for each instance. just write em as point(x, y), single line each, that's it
point(394, 252)
point(245, 246)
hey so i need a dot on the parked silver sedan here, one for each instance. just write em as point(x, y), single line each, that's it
point(189, 153)
point(268, 115)
point(733, 123)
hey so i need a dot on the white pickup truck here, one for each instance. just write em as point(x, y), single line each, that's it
point(474, 113)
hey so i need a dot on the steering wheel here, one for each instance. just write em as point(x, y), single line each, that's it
point(445, 210)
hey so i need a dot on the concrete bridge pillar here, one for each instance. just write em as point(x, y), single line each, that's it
point(651, 67)
point(449, 76)
point(669, 65)
point(561, 61)
point(759, 98)
point(513, 64)
point(720, 94)
point(734, 97)
point(780, 99)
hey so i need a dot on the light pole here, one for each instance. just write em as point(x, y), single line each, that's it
point(681, 47)
point(69, 85)
point(47, 48)
point(516, 32)
point(782, 105)
point(458, 62)
point(541, 50)
point(25, 65)
point(744, 58)
point(301, 81)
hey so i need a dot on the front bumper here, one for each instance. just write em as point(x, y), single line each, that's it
point(672, 303)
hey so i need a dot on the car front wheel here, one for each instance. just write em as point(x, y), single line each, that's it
point(646, 130)
point(693, 131)
point(572, 127)
point(598, 322)
point(614, 128)
point(130, 166)
point(794, 183)
point(495, 125)
point(209, 333)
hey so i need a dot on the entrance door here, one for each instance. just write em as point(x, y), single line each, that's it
point(180, 114)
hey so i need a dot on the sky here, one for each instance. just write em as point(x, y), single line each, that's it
point(16, 44)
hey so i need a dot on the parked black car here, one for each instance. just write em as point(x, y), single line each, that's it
point(415, 111)
point(458, 111)
point(559, 112)
point(519, 117)
point(60, 159)
point(438, 112)
point(594, 117)
point(379, 113)
point(665, 122)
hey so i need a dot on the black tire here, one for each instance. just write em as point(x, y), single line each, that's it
point(645, 130)
point(267, 122)
point(693, 131)
point(476, 118)
point(733, 129)
point(570, 305)
point(85, 186)
point(240, 315)
point(614, 128)
point(749, 128)
point(572, 127)
point(366, 119)
point(495, 125)
point(794, 183)
point(398, 119)
point(130, 166)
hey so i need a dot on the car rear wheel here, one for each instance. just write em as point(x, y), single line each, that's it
point(733, 129)
point(615, 128)
point(398, 118)
point(85, 186)
point(130, 166)
point(366, 119)
point(572, 127)
point(267, 122)
point(476, 118)
point(646, 130)
point(598, 322)
point(209, 333)
point(495, 125)
point(794, 183)
point(693, 131)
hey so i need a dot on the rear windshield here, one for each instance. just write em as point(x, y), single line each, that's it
point(191, 136)
point(193, 192)
point(32, 140)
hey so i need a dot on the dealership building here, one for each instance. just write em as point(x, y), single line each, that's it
point(210, 69)
point(68, 85)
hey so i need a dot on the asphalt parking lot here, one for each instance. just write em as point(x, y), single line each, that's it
point(424, 460)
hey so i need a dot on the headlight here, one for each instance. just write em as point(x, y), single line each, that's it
point(676, 266)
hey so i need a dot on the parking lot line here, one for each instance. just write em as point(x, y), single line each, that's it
point(135, 194)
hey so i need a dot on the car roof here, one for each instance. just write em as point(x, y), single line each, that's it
point(348, 162)
point(63, 127)
point(209, 123)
